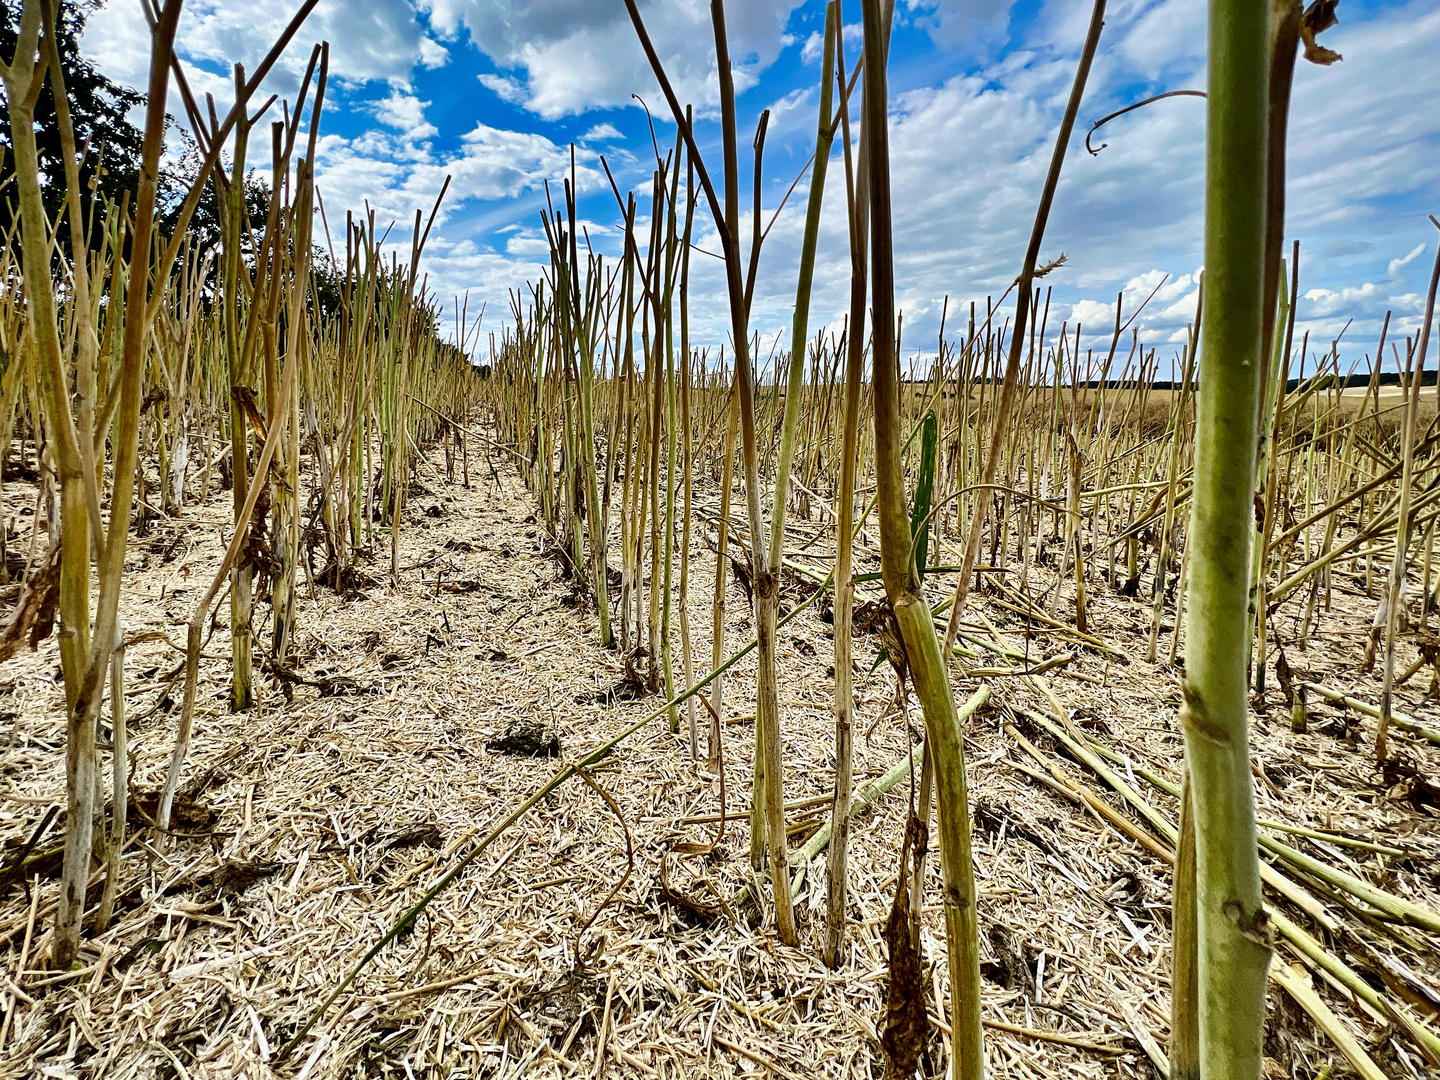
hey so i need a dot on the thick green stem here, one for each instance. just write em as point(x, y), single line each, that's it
point(1232, 926)
point(23, 80)
point(917, 628)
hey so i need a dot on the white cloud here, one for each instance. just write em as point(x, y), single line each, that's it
point(975, 24)
point(527, 245)
point(602, 133)
point(506, 89)
point(802, 101)
point(1162, 36)
point(433, 54)
point(395, 176)
point(814, 47)
point(1092, 313)
point(1411, 303)
point(379, 39)
point(1332, 301)
point(1396, 265)
point(572, 56)
point(405, 112)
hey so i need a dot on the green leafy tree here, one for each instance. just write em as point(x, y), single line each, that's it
point(205, 222)
point(99, 109)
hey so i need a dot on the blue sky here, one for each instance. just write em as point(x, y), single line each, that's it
point(495, 92)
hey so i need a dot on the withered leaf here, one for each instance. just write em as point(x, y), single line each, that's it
point(906, 1022)
point(34, 614)
point(1318, 18)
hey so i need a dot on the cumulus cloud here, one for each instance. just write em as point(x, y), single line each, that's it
point(505, 88)
point(491, 164)
point(602, 133)
point(1092, 313)
point(433, 54)
point(405, 112)
point(571, 56)
point(974, 23)
point(814, 48)
point(376, 40)
point(1332, 301)
point(527, 243)
point(1169, 36)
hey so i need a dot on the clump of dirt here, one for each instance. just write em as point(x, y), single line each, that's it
point(187, 814)
point(1406, 781)
point(572, 998)
point(237, 875)
point(526, 738)
point(425, 834)
point(1009, 969)
point(464, 585)
point(632, 686)
point(348, 580)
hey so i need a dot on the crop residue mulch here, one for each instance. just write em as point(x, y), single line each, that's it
point(315, 821)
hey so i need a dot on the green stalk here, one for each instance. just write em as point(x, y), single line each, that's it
point(902, 586)
point(838, 857)
point(595, 517)
point(727, 221)
point(23, 79)
point(920, 541)
point(767, 581)
point(673, 268)
point(1172, 473)
point(625, 417)
point(687, 455)
point(924, 492)
point(655, 374)
point(1233, 950)
point(717, 611)
point(242, 577)
point(569, 471)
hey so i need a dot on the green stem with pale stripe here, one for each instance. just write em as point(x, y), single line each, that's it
point(1233, 956)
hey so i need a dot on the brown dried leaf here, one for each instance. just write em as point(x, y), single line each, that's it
point(245, 398)
point(34, 614)
point(697, 912)
point(906, 1022)
point(1285, 677)
point(1318, 18)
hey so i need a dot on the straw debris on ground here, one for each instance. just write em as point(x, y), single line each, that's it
point(309, 825)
